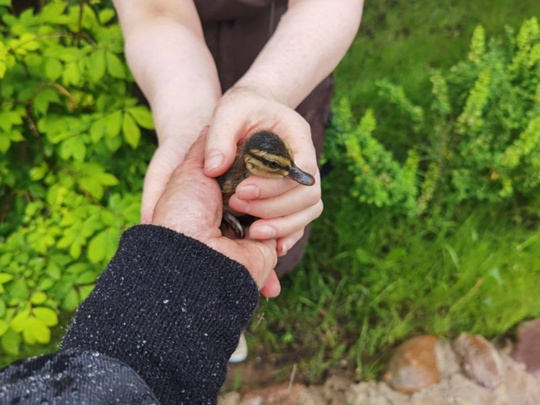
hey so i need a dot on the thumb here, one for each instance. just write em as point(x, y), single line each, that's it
point(260, 258)
point(220, 147)
point(160, 169)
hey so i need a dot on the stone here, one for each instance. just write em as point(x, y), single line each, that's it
point(447, 361)
point(520, 387)
point(230, 398)
point(335, 389)
point(527, 347)
point(454, 389)
point(413, 365)
point(283, 395)
point(374, 393)
point(479, 360)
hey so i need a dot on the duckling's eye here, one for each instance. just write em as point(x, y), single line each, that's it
point(273, 165)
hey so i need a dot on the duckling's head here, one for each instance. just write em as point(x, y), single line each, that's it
point(267, 155)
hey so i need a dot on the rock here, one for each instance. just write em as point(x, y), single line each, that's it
point(374, 393)
point(447, 361)
point(282, 395)
point(479, 360)
point(520, 387)
point(527, 348)
point(454, 389)
point(335, 390)
point(230, 398)
point(413, 365)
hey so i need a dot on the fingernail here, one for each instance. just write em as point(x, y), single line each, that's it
point(264, 232)
point(213, 161)
point(248, 192)
point(283, 250)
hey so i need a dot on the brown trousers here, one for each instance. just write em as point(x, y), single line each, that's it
point(235, 32)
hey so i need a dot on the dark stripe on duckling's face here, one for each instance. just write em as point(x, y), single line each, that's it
point(267, 155)
point(264, 164)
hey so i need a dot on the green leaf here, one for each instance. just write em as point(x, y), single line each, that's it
point(53, 270)
point(106, 15)
point(2, 308)
point(71, 301)
point(108, 179)
point(142, 116)
point(5, 277)
point(113, 123)
point(19, 290)
point(77, 268)
point(132, 133)
point(115, 66)
point(38, 330)
point(71, 74)
point(73, 147)
point(11, 342)
point(96, 65)
point(47, 315)
point(97, 130)
point(93, 186)
point(86, 278)
point(45, 284)
point(18, 323)
point(86, 290)
point(97, 247)
point(38, 298)
point(44, 98)
point(5, 142)
point(4, 326)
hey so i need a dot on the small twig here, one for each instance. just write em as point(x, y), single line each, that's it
point(30, 106)
point(293, 374)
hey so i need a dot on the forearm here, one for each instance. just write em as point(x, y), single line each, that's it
point(170, 61)
point(311, 39)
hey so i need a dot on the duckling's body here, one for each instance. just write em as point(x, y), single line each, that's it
point(264, 154)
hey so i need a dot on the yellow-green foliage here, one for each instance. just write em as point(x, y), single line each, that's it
point(479, 140)
point(70, 163)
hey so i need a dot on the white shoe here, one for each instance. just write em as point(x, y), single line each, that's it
point(241, 352)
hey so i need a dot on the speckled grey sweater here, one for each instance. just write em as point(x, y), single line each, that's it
point(159, 327)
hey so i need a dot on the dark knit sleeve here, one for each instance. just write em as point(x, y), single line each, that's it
point(171, 309)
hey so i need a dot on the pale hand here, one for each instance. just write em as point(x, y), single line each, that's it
point(284, 206)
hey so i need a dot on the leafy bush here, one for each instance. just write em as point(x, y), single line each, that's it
point(438, 238)
point(71, 163)
point(477, 143)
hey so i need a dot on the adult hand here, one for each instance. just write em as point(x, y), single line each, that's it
point(284, 206)
point(167, 157)
point(192, 205)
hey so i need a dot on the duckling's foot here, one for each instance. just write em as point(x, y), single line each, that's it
point(235, 225)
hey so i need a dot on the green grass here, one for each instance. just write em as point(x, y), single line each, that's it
point(403, 40)
point(369, 282)
point(370, 278)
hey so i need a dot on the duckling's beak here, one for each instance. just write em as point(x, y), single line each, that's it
point(300, 176)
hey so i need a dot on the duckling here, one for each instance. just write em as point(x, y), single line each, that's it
point(264, 154)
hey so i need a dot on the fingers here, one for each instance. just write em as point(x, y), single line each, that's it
point(285, 226)
point(294, 200)
point(160, 169)
point(272, 288)
point(259, 188)
point(220, 144)
point(285, 244)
